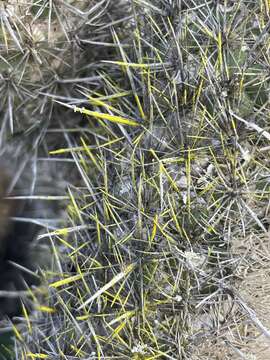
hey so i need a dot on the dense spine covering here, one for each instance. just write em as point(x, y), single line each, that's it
point(169, 201)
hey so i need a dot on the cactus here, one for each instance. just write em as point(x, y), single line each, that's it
point(163, 120)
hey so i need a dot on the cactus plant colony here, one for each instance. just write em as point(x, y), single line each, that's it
point(142, 130)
